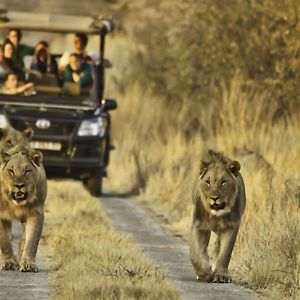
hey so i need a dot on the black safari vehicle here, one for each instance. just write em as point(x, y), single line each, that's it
point(71, 124)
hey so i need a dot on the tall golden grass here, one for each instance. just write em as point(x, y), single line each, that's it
point(87, 259)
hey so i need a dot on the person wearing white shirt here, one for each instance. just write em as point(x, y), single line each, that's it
point(80, 43)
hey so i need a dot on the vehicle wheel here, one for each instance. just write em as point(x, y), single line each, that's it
point(94, 184)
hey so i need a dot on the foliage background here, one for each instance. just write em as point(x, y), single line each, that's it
point(189, 48)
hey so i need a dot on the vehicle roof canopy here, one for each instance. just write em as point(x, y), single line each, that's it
point(48, 22)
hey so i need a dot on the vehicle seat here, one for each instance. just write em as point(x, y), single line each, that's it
point(74, 89)
point(47, 84)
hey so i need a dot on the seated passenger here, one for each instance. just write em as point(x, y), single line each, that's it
point(4, 68)
point(80, 43)
point(77, 71)
point(11, 87)
point(8, 52)
point(43, 61)
point(20, 50)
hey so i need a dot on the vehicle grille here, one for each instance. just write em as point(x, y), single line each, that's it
point(58, 126)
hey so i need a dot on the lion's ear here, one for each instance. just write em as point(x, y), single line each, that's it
point(3, 132)
point(213, 153)
point(203, 167)
point(28, 133)
point(234, 167)
point(4, 156)
point(37, 157)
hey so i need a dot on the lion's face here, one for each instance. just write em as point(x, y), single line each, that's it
point(218, 188)
point(10, 138)
point(19, 177)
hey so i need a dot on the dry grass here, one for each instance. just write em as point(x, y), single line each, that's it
point(158, 151)
point(87, 258)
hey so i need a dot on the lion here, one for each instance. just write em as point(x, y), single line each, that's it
point(219, 201)
point(23, 191)
point(10, 137)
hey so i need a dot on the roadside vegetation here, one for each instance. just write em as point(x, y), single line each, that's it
point(226, 77)
point(87, 259)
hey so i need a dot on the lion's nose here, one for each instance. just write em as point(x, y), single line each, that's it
point(19, 185)
point(214, 198)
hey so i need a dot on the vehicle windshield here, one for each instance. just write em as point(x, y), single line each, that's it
point(49, 67)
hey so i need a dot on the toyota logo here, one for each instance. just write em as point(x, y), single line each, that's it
point(43, 123)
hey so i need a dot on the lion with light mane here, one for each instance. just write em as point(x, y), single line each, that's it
point(10, 137)
point(23, 190)
point(219, 201)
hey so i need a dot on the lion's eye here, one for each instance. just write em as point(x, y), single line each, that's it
point(11, 172)
point(9, 143)
point(207, 182)
point(223, 182)
point(27, 172)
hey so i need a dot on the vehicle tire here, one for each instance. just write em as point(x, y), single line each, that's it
point(94, 184)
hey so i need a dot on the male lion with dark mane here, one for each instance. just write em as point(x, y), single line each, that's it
point(23, 191)
point(219, 201)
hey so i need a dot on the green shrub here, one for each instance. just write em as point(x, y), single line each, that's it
point(189, 49)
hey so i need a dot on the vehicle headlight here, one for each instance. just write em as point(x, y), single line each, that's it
point(92, 127)
point(3, 121)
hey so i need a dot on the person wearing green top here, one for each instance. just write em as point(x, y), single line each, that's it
point(77, 71)
point(21, 50)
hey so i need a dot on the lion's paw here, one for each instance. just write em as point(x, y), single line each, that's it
point(28, 265)
point(8, 264)
point(222, 278)
point(207, 277)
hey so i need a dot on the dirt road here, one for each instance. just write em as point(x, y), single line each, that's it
point(16, 285)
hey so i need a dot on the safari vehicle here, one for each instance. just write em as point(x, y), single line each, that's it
point(71, 125)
